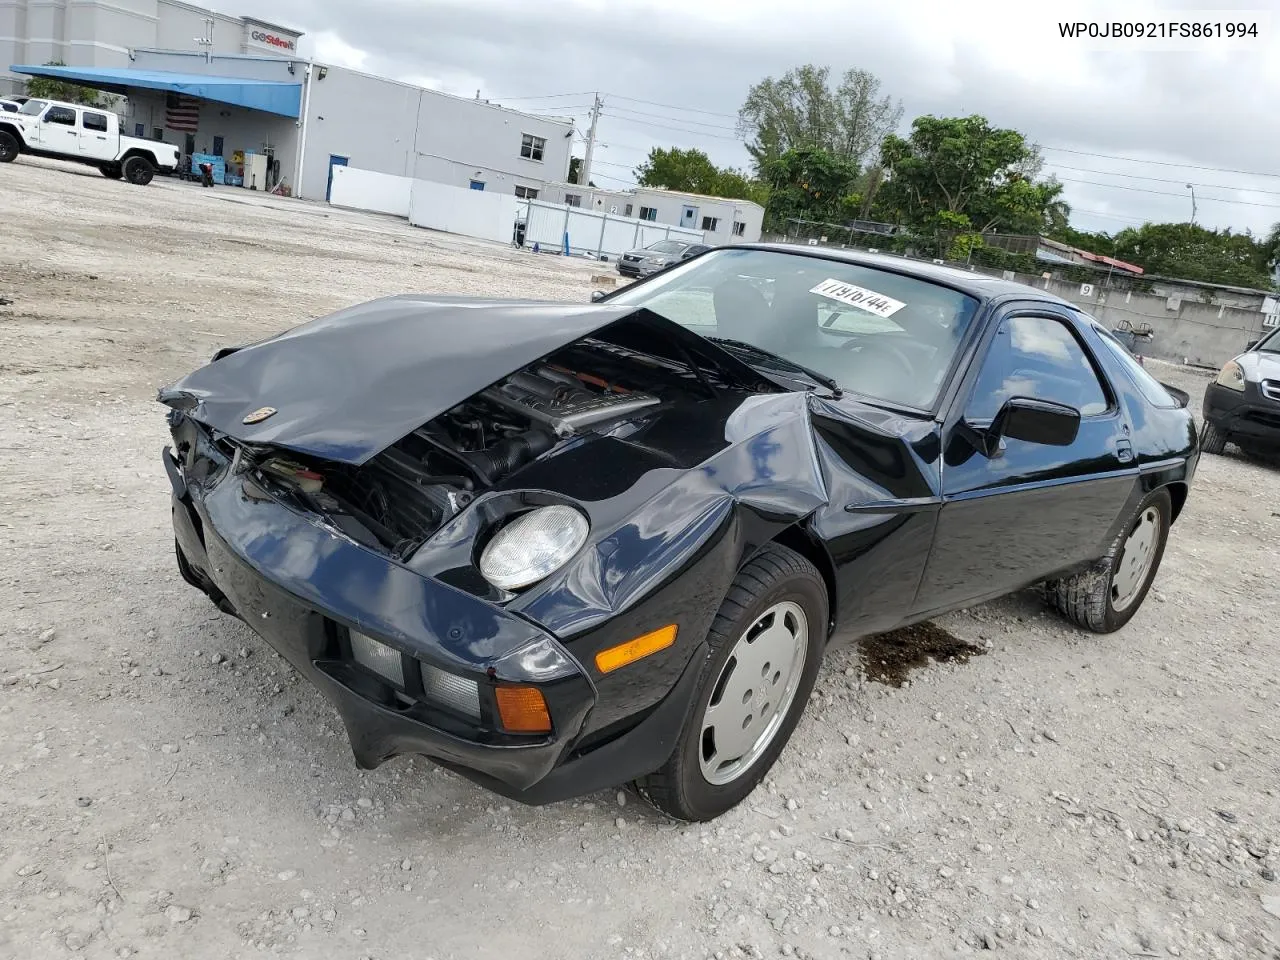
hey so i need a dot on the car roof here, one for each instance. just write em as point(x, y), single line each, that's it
point(977, 285)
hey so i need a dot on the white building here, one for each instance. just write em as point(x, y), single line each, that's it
point(101, 33)
point(308, 117)
point(721, 219)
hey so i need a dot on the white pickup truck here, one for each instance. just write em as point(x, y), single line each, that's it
point(69, 131)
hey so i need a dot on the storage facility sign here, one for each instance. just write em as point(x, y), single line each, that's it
point(281, 43)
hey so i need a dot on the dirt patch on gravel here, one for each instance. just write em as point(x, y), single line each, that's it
point(891, 658)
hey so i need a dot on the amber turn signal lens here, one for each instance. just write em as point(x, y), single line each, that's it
point(523, 710)
point(633, 650)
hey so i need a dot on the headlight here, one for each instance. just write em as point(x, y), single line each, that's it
point(1232, 376)
point(533, 546)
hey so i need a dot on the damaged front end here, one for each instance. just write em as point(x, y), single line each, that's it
point(445, 550)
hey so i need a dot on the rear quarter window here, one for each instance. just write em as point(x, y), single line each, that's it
point(1147, 385)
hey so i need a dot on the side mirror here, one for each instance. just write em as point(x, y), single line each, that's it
point(597, 296)
point(1036, 421)
point(1021, 418)
point(1251, 344)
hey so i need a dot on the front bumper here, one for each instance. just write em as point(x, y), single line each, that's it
point(302, 588)
point(1245, 415)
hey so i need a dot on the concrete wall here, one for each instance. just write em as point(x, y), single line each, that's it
point(1185, 330)
point(472, 213)
point(366, 190)
point(249, 66)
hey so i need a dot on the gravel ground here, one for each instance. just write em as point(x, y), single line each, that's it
point(168, 787)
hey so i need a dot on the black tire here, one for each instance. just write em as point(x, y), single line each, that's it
point(112, 171)
point(1212, 440)
point(139, 171)
point(773, 575)
point(1087, 598)
point(9, 147)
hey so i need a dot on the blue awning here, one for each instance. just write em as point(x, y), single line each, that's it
point(270, 96)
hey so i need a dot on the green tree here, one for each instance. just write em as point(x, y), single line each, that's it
point(1271, 246)
point(810, 184)
point(575, 170)
point(960, 175)
point(692, 171)
point(801, 110)
point(1189, 252)
point(45, 88)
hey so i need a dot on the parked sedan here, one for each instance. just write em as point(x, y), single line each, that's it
point(657, 256)
point(558, 548)
point(1243, 405)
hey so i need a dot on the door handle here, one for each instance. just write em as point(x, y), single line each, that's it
point(1124, 451)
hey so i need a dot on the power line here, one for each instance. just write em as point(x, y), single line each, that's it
point(1138, 176)
point(1168, 193)
point(692, 123)
point(662, 126)
point(605, 176)
point(1163, 163)
point(549, 96)
point(607, 163)
point(671, 106)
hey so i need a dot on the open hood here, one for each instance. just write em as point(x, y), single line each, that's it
point(348, 385)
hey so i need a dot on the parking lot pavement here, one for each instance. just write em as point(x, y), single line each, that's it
point(169, 788)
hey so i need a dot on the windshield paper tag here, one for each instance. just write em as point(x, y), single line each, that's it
point(860, 297)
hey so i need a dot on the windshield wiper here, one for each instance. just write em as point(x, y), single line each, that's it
point(819, 378)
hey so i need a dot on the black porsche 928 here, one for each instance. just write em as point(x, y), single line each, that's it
point(560, 547)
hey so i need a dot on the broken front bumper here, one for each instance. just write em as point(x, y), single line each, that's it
point(305, 589)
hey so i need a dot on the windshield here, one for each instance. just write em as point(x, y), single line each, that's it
point(879, 334)
point(34, 107)
point(1269, 344)
point(667, 246)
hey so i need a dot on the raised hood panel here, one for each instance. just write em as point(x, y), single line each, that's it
point(348, 385)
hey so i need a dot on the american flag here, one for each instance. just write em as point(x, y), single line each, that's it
point(181, 112)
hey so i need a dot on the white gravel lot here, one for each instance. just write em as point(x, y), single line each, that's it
point(169, 788)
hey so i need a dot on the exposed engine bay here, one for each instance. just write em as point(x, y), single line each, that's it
point(406, 492)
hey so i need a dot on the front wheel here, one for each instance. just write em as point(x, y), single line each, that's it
point(139, 171)
point(1104, 597)
point(9, 147)
point(766, 646)
point(1212, 440)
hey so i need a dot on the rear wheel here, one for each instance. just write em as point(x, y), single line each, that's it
point(9, 147)
point(1104, 597)
point(139, 171)
point(766, 647)
point(111, 171)
point(1212, 440)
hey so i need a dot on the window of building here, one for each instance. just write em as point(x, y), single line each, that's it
point(531, 147)
point(140, 130)
point(61, 115)
point(95, 121)
point(477, 184)
point(217, 146)
point(573, 199)
point(648, 213)
point(1039, 358)
point(627, 212)
point(710, 223)
point(739, 229)
point(157, 133)
point(526, 193)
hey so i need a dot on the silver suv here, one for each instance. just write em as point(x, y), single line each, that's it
point(651, 259)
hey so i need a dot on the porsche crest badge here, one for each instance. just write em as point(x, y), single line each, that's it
point(259, 415)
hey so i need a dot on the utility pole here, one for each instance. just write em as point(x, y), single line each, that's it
point(207, 40)
point(584, 179)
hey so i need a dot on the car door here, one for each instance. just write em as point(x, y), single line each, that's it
point(95, 140)
point(59, 131)
point(1029, 510)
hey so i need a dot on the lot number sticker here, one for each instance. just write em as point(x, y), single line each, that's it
point(860, 297)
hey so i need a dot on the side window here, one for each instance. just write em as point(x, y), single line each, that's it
point(1039, 358)
point(1156, 395)
point(95, 121)
point(61, 115)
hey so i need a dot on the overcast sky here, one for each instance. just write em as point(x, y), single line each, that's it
point(1213, 108)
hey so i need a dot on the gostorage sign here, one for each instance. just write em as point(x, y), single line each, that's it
point(273, 40)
